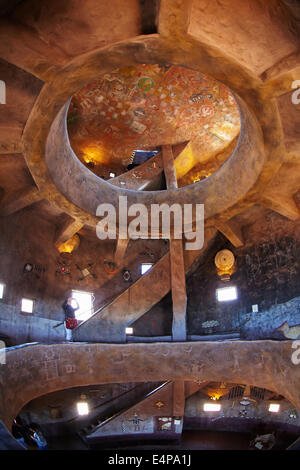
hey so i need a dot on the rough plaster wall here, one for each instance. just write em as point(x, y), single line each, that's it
point(267, 274)
point(245, 30)
point(27, 237)
point(24, 329)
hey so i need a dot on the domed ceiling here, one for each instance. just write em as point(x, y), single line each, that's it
point(146, 106)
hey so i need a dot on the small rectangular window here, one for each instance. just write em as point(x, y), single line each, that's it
point(27, 305)
point(225, 294)
point(211, 407)
point(2, 291)
point(82, 408)
point(274, 408)
point(145, 267)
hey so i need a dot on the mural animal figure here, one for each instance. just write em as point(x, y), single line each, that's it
point(290, 332)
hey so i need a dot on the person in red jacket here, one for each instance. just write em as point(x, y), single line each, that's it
point(70, 320)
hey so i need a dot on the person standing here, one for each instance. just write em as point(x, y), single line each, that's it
point(70, 320)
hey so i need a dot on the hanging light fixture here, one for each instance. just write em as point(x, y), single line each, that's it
point(225, 263)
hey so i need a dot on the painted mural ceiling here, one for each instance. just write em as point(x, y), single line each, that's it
point(146, 106)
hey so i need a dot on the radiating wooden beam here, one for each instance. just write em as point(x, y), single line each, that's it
point(120, 250)
point(23, 47)
point(176, 259)
point(231, 231)
point(20, 199)
point(292, 151)
point(67, 230)
point(280, 84)
point(190, 388)
point(285, 206)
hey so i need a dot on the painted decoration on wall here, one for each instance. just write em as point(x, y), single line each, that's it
point(159, 404)
point(164, 424)
point(290, 332)
point(136, 421)
point(210, 324)
point(63, 268)
point(146, 106)
point(85, 272)
point(33, 268)
point(110, 267)
point(126, 275)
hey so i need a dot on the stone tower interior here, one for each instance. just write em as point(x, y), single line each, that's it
point(150, 173)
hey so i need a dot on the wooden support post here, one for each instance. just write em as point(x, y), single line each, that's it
point(178, 398)
point(176, 258)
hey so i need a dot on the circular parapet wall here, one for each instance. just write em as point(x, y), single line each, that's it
point(231, 182)
point(217, 192)
point(34, 370)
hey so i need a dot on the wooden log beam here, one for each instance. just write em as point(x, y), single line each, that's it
point(23, 47)
point(20, 199)
point(285, 206)
point(178, 398)
point(231, 231)
point(67, 230)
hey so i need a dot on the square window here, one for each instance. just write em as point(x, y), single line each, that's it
point(27, 306)
point(225, 294)
point(274, 407)
point(129, 330)
point(145, 267)
point(1, 291)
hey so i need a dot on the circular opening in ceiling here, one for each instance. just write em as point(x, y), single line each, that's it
point(118, 124)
